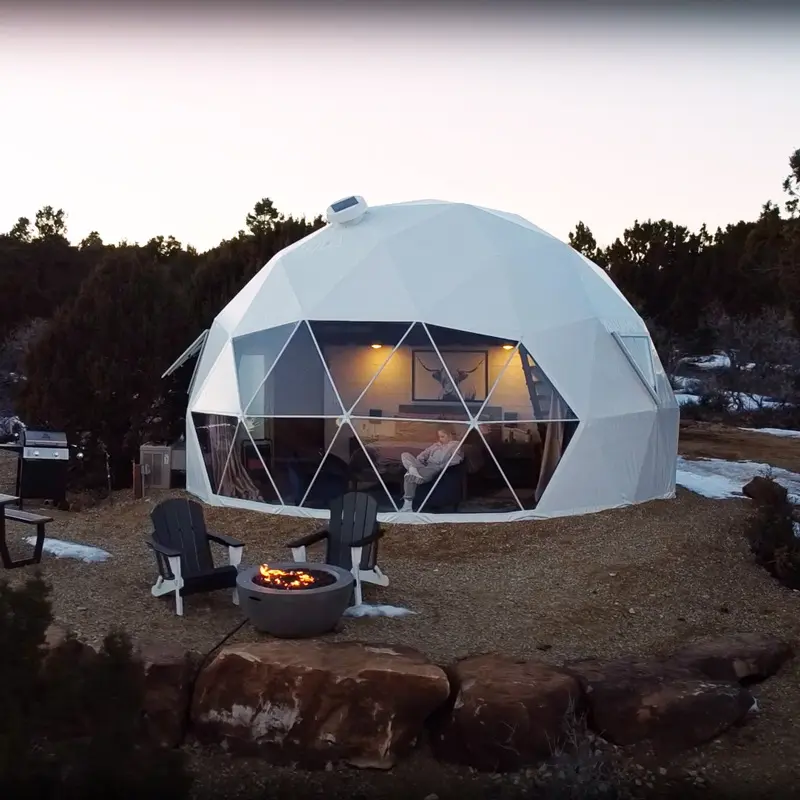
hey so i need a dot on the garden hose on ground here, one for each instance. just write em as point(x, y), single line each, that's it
point(202, 664)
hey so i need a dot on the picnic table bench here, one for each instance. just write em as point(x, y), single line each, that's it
point(26, 518)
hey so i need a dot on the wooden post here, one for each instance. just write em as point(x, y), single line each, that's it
point(138, 488)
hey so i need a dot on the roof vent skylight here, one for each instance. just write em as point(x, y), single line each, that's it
point(347, 210)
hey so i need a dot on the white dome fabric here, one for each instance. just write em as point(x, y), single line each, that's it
point(470, 269)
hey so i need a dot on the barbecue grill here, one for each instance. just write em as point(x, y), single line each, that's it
point(42, 466)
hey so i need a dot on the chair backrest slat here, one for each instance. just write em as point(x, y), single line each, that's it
point(353, 516)
point(180, 524)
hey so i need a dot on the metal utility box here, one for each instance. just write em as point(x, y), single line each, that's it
point(42, 466)
point(156, 463)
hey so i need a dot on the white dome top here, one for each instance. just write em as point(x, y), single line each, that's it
point(451, 264)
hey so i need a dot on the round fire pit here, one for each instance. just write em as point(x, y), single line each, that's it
point(294, 601)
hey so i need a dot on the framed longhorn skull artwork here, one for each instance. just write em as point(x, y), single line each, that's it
point(467, 373)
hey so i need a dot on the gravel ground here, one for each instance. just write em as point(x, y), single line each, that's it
point(635, 580)
point(638, 580)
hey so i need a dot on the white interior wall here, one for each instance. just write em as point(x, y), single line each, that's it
point(352, 369)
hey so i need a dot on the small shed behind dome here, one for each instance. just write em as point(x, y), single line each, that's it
point(398, 326)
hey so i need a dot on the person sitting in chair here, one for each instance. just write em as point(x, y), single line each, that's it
point(428, 464)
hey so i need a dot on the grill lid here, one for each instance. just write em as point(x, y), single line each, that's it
point(45, 438)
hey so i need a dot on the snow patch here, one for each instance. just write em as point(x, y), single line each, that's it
point(774, 432)
point(736, 401)
point(720, 480)
point(366, 610)
point(62, 549)
point(681, 383)
point(716, 361)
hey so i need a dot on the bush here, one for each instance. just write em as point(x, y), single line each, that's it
point(583, 766)
point(711, 406)
point(95, 372)
point(73, 729)
point(24, 618)
point(771, 533)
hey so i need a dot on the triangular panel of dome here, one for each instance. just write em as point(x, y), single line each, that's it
point(473, 485)
point(523, 393)
point(639, 350)
point(431, 456)
point(355, 352)
point(255, 355)
point(216, 435)
point(391, 446)
point(246, 476)
point(345, 466)
point(473, 360)
point(528, 454)
point(219, 394)
point(413, 384)
point(298, 385)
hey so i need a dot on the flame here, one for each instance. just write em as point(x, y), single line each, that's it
point(285, 579)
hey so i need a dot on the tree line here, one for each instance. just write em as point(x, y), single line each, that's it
point(93, 326)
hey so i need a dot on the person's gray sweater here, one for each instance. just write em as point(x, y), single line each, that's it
point(438, 454)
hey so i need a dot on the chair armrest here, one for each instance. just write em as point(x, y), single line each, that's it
point(167, 552)
point(373, 537)
point(311, 538)
point(220, 538)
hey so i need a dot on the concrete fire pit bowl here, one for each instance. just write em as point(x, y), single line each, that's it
point(312, 605)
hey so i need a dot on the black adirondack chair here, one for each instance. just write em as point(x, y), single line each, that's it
point(351, 540)
point(182, 548)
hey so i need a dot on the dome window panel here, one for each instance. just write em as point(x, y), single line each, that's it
point(413, 383)
point(299, 384)
point(255, 355)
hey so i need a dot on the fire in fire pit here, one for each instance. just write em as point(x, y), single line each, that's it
point(292, 579)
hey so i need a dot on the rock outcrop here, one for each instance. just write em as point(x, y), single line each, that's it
point(745, 658)
point(505, 713)
point(312, 702)
point(666, 706)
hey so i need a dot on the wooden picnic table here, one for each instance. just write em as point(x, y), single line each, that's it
point(5, 500)
point(25, 518)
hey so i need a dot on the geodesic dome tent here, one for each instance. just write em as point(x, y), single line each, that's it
point(397, 326)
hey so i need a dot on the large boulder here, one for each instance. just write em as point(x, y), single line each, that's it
point(506, 713)
point(313, 702)
point(666, 706)
point(168, 673)
point(746, 658)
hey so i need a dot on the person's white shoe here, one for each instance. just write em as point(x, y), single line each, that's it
point(412, 470)
point(407, 506)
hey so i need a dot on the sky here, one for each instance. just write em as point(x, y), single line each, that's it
point(175, 119)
